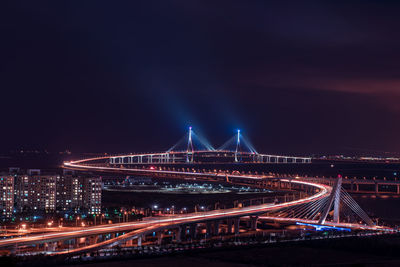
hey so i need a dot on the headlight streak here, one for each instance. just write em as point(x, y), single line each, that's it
point(144, 226)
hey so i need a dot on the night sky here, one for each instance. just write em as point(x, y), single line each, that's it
point(115, 76)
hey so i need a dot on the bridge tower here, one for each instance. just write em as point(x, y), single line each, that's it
point(338, 199)
point(334, 199)
point(336, 204)
point(190, 149)
point(237, 145)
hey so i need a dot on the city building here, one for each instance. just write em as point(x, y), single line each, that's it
point(21, 193)
point(69, 194)
point(6, 196)
point(92, 194)
point(35, 192)
point(79, 194)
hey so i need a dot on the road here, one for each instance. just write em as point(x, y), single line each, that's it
point(166, 221)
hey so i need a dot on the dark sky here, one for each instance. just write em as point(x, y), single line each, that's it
point(114, 76)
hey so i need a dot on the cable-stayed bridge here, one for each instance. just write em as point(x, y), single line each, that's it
point(192, 148)
point(338, 207)
point(317, 199)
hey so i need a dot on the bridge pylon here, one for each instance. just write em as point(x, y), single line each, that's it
point(334, 208)
point(237, 150)
point(342, 203)
point(190, 143)
point(190, 149)
point(239, 145)
point(334, 199)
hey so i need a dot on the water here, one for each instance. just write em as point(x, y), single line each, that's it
point(385, 207)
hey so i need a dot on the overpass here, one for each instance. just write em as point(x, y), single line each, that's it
point(313, 201)
point(316, 203)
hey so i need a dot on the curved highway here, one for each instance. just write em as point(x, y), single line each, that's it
point(136, 229)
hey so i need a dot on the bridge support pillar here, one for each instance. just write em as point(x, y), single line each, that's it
point(76, 242)
point(159, 238)
point(178, 234)
point(398, 189)
point(183, 231)
point(193, 231)
point(129, 243)
point(216, 227)
point(236, 223)
point(376, 188)
point(208, 228)
point(68, 243)
point(253, 220)
point(93, 239)
point(139, 241)
point(229, 224)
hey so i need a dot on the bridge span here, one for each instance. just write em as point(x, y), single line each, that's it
point(198, 157)
point(315, 204)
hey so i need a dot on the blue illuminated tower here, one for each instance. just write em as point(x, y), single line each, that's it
point(190, 149)
point(237, 145)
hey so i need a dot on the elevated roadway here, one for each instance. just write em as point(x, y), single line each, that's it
point(315, 191)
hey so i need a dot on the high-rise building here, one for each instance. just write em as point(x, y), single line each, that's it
point(92, 195)
point(21, 192)
point(36, 193)
point(79, 193)
point(6, 196)
point(69, 193)
point(44, 193)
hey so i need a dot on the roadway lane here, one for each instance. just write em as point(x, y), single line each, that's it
point(173, 220)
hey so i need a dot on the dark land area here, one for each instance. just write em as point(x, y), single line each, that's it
point(350, 251)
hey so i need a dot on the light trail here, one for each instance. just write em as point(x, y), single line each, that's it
point(136, 229)
point(177, 219)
